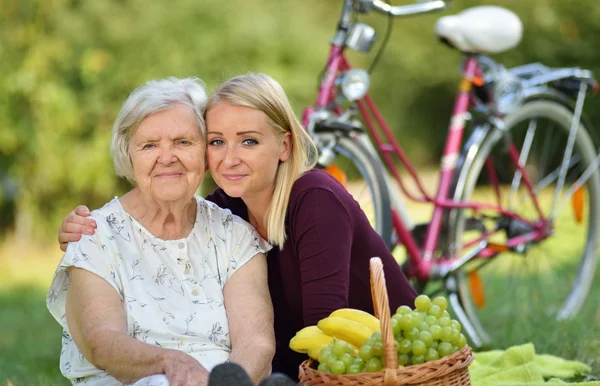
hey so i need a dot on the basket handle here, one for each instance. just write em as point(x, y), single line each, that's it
point(382, 311)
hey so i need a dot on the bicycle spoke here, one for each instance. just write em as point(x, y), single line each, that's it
point(585, 176)
point(569, 148)
point(524, 154)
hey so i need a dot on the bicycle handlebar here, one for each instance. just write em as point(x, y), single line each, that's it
point(408, 10)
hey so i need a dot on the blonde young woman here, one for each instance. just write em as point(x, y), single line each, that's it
point(262, 160)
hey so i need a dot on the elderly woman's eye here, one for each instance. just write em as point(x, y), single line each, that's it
point(250, 141)
point(148, 146)
point(184, 142)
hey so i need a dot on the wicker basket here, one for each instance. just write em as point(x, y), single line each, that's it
point(448, 371)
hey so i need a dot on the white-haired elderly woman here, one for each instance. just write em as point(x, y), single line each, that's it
point(170, 285)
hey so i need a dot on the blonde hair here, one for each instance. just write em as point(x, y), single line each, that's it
point(151, 98)
point(263, 93)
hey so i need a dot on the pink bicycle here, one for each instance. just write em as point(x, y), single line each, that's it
point(513, 234)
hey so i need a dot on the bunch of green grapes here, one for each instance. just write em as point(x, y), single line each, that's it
point(426, 333)
point(340, 358)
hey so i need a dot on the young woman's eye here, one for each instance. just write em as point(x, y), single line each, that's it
point(216, 142)
point(250, 142)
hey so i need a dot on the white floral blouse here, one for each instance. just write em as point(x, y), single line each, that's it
point(172, 290)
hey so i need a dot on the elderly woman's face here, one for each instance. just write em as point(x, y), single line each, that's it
point(167, 152)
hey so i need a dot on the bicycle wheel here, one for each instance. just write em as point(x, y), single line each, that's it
point(515, 294)
point(365, 180)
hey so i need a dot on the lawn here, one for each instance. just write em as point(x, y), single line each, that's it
point(29, 337)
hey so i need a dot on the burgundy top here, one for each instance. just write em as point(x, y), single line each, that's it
point(324, 263)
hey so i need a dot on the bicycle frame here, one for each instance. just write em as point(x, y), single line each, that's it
point(422, 260)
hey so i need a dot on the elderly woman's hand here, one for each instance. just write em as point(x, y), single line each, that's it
point(182, 370)
point(74, 225)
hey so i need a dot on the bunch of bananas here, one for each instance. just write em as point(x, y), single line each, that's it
point(350, 325)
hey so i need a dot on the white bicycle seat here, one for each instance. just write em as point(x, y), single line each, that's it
point(481, 30)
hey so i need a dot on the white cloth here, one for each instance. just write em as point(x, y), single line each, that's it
point(153, 380)
point(172, 290)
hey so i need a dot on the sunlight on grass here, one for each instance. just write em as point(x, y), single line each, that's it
point(30, 337)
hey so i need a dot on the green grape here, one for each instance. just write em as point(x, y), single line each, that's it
point(423, 326)
point(324, 354)
point(377, 349)
point(444, 349)
point(324, 368)
point(403, 310)
point(377, 337)
point(417, 359)
point(338, 349)
point(441, 302)
point(431, 320)
point(373, 365)
point(456, 325)
point(435, 311)
point(434, 344)
point(444, 321)
point(422, 303)
point(360, 363)
point(446, 314)
point(347, 358)
point(455, 338)
point(419, 317)
point(349, 348)
point(436, 331)
point(447, 334)
point(426, 337)
point(331, 361)
point(365, 352)
point(431, 355)
point(396, 324)
point(418, 347)
point(406, 323)
point(404, 346)
point(462, 341)
point(338, 368)
point(352, 369)
point(403, 359)
point(454, 349)
point(412, 334)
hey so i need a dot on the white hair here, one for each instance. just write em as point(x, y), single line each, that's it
point(149, 99)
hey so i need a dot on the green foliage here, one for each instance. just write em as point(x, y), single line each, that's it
point(67, 65)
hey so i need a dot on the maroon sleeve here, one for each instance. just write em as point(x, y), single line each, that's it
point(322, 231)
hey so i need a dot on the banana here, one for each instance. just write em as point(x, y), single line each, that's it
point(352, 332)
point(302, 343)
point(359, 316)
point(310, 330)
point(313, 352)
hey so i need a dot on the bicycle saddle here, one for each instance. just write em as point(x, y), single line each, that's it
point(481, 30)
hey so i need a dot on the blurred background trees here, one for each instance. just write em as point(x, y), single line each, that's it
point(67, 65)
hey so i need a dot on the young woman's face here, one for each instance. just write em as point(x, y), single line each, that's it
point(168, 154)
point(243, 150)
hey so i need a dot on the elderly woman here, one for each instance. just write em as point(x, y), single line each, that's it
point(166, 283)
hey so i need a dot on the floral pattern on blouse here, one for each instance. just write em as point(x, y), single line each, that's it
point(172, 290)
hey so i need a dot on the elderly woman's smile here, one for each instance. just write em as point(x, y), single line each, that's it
point(167, 154)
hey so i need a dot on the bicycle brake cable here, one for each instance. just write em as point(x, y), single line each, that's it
point(386, 38)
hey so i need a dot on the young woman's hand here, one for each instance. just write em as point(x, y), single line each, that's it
point(74, 225)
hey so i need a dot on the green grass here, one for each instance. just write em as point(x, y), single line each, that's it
point(30, 338)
